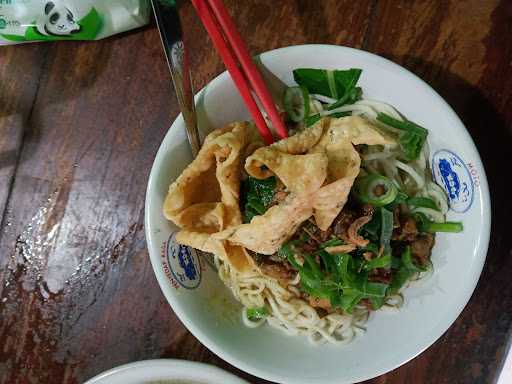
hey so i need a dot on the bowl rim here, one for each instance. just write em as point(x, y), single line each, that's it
point(484, 232)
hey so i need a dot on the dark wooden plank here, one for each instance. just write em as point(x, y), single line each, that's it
point(20, 69)
point(77, 205)
point(464, 50)
point(78, 294)
point(266, 26)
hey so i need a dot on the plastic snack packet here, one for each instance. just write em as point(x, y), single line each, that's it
point(49, 20)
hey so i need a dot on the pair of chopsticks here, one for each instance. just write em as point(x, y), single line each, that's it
point(232, 49)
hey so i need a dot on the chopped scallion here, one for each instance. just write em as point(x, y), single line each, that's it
point(255, 314)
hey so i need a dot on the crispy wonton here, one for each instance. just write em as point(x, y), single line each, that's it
point(318, 167)
point(204, 200)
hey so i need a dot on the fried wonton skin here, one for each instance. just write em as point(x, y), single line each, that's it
point(337, 142)
point(204, 199)
point(318, 167)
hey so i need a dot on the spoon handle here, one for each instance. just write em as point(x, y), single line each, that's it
point(169, 26)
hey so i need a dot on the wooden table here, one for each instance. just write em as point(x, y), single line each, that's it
point(80, 124)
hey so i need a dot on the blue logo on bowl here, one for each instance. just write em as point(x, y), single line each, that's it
point(183, 263)
point(450, 171)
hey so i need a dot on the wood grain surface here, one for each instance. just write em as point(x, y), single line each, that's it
point(80, 124)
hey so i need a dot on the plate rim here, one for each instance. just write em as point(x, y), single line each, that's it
point(123, 370)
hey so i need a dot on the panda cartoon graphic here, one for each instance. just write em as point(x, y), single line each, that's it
point(57, 20)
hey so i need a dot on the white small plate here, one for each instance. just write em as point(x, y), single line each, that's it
point(165, 371)
point(207, 308)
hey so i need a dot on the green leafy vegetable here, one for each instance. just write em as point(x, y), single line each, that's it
point(255, 314)
point(342, 278)
point(423, 202)
point(448, 226)
point(380, 262)
point(290, 255)
point(371, 289)
point(371, 247)
point(312, 119)
point(396, 262)
point(409, 264)
point(328, 262)
point(331, 83)
point(331, 243)
point(411, 139)
point(342, 283)
point(313, 266)
point(400, 277)
point(313, 285)
point(426, 225)
point(401, 197)
point(386, 229)
point(343, 272)
point(285, 251)
point(379, 229)
point(407, 126)
point(404, 272)
point(350, 299)
point(350, 97)
point(371, 230)
point(256, 196)
point(337, 84)
point(376, 302)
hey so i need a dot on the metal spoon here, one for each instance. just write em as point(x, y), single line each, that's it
point(169, 26)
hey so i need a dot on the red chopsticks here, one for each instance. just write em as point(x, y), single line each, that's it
point(222, 30)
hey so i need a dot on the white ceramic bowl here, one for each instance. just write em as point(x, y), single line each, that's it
point(165, 371)
point(207, 308)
